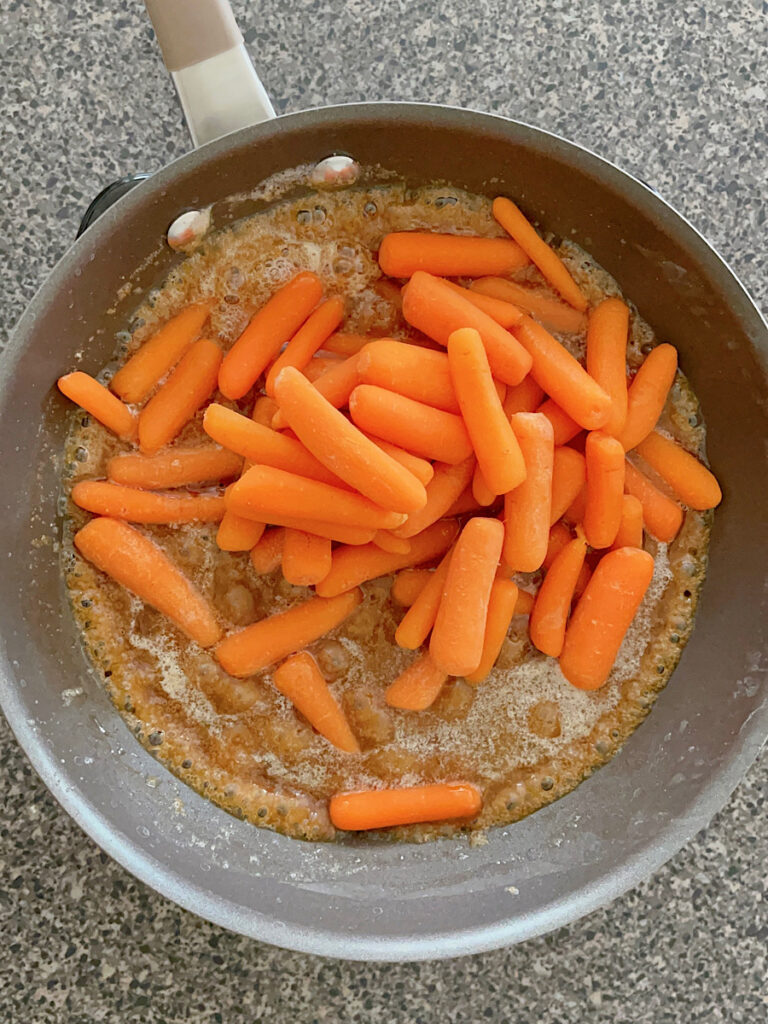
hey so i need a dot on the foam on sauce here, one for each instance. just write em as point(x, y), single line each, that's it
point(525, 736)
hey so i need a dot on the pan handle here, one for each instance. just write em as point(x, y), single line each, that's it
point(204, 52)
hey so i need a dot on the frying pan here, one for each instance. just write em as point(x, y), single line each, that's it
point(363, 899)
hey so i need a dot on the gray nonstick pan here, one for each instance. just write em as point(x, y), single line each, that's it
point(363, 899)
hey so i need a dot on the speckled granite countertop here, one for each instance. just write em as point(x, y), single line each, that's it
point(672, 92)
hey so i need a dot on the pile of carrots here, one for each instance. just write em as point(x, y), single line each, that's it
point(484, 448)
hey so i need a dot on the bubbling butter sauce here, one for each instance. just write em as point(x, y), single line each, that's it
point(525, 736)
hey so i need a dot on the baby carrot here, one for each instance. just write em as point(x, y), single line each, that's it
point(504, 313)
point(263, 411)
point(442, 491)
point(554, 598)
point(344, 449)
point(335, 385)
point(648, 393)
point(568, 476)
point(690, 479)
point(575, 511)
point(527, 509)
point(418, 621)
point(273, 325)
point(418, 686)
point(177, 401)
point(134, 381)
point(456, 644)
point(430, 433)
point(603, 616)
point(605, 487)
point(421, 469)
point(607, 357)
point(408, 584)
point(563, 378)
point(307, 340)
point(105, 499)
point(435, 309)
point(300, 680)
point(354, 535)
point(387, 541)
point(501, 609)
point(630, 533)
point(343, 344)
point(402, 253)
point(175, 468)
point(238, 534)
point(354, 565)
point(384, 808)
point(525, 602)
point(258, 646)
point(319, 365)
point(662, 517)
point(306, 558)
point(264, 490)
point(559, 536)
point(482, 493)
point(267, 553)
point(550, 312)
point(536, 249)
point(138, 564)
point(564, 427)
point(466, 502)
point(526, 396)
point(95, 399)
point(493, 439)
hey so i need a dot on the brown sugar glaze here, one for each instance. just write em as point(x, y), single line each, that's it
point(525, 736)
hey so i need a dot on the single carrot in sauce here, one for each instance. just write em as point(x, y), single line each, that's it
point(554, 598)
point(270, 640)
point(603, 616)
point(408, 584)
point(527, 509)
point(387, 541)
point(605, 488)
point(565, 428)
point(402, 253)
point(140, 566)
point(482, 493)
point(384, 808)
point(306, 558)
point(559, 536)
point(504, 313)
point(690, 479)
point(607, 357)
point(86, 392)
point(647, 394)
point(157, 356)
point(418, 686)
point(175, 468)
point(501, 609)
point(318, 327)
point(525, 602)
point(344, 344)
point(442, 491)
point(536, 249)
point(418, 621)
point(456, 644)
point(177, 401)
point(568, 477)
point(549, 311)
point(300, 680)
point(630, 534)
point(662, 517)
point(272, 326)
point(267, 553)
point(137, 506)
point(526, 396)
point(238, 534)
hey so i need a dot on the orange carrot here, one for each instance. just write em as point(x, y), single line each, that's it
point(607, 357)
point(176, 468)
point(384, 808)
point(564, 427)
point(344, 344)
point(493, 439)
point(430, 433)
point(581, 583)
point(575, 511)
point(306, 558)
point(98, 402)
point(353, 535)
point(456, 644)
point(648, 393)
point(319, 365)
point(466, 502)
point(662, 517)
point(421, 469)
point(263, 411)
point(559, 536)
point(273, 325)
point(138, 564)
point(525, 602)
point(354, 565)
point(408, 584)
point(605, 487)
point(335, 385)
point(504, 313)
point(418, 621)
point(630, 533)
point(482, 493)
point(524, 397)
point(552, 268)
point(603, 616)
point(105, 499)
point(431, 306)
point(527, 509)
point(258, 646)
point(134, 381)
point(501, 609)
point(418, 686)
point(563, 378)
point(387, 541)
point(300, 680)
point(238, 534)
point(402, 253)
point(343, 449)
point(550, 312)
point(568, 477)
point(442, 491)
point(690, 479)
point(307, 340)
point(553, 600)
point(177, 401)
point(267, 553)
